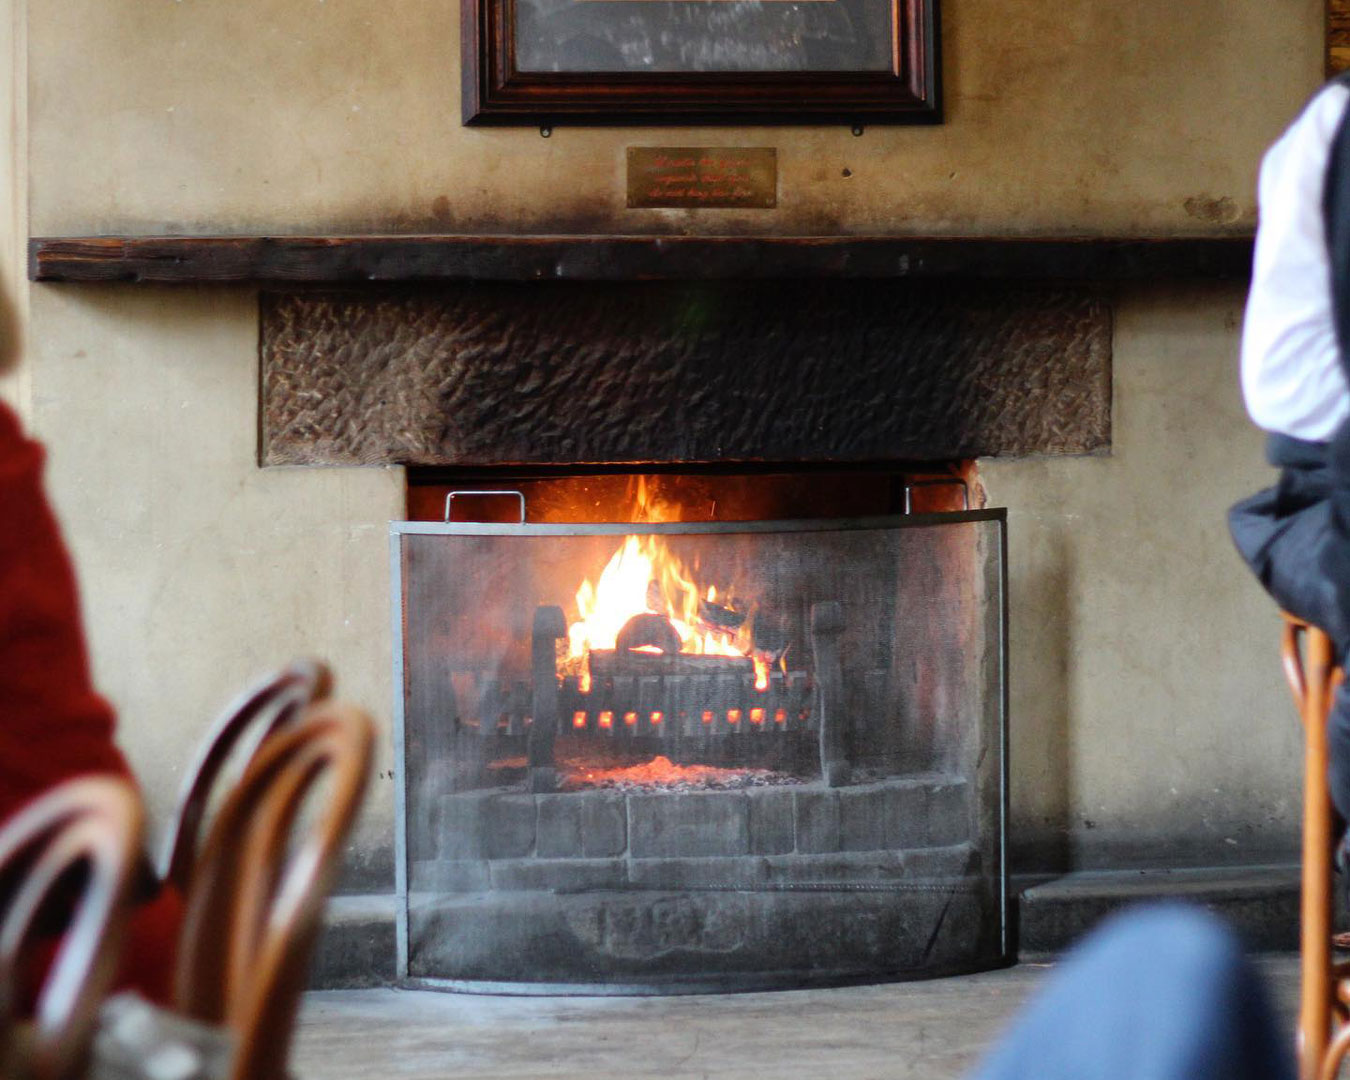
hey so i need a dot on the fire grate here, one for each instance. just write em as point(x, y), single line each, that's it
point(640, 758)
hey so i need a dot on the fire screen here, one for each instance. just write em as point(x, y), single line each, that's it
point(692, 757)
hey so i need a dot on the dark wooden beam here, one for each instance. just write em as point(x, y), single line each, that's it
point(351, 259)
point(1338, 36)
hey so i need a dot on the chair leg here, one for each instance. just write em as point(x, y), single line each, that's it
point(1316, 996)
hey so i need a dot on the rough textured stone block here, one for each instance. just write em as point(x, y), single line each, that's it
point(817, 814)
point(559, 875)
point(486, 373)
point(942, 863)
point(906, 814)
point(772, 825)
point(862, 818)
point(871, 867)
point(949, 816)
point(486, 826)
point(591, 824)
point(445, 875)
point(357, 946)
point(694, 823)
point(713, 873)
point(701, 940)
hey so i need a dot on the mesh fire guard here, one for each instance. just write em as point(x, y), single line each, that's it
point(665, 758)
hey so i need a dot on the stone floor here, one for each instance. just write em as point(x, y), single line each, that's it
point(908, 1031)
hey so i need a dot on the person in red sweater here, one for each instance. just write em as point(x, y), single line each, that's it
point(53, 725)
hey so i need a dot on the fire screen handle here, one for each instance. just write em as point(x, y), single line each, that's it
point(946, 481)
point(450, 499)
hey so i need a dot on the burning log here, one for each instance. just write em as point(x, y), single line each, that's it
point(607, 663)
point(648, 631)
point(719, 616)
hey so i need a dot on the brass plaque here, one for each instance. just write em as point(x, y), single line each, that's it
point(679, 177)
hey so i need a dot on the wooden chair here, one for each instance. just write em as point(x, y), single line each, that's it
point(92, 824)
point(1324, 1011)
point(256, 897)
point(235, 736)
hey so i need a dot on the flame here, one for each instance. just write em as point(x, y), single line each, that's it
point(644, 575)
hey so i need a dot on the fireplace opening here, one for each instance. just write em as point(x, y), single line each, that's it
point(676, 732)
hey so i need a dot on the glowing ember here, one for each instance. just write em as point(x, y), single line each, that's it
point(663, 774)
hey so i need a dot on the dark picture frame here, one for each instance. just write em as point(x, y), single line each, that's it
point(546, 62)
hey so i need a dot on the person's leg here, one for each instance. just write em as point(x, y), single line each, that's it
point(1334, 565)
point(1159, 993)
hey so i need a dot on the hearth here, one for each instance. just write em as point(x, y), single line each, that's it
point(688, 756)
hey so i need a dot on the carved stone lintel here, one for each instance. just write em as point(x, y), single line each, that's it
point(791, 372)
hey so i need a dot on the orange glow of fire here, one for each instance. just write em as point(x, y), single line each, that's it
point(645, 576)
point(660, 770)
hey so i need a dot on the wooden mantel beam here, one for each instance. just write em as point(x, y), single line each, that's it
point(355, 259)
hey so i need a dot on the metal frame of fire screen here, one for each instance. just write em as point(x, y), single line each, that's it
point(399, 529)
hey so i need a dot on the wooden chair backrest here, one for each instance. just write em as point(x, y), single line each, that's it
point(236, 735)
point(94, 823)
point(255, 904)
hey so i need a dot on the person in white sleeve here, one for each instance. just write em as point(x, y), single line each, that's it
point(1296, 535)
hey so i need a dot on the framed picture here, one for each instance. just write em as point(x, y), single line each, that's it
point(700, 61)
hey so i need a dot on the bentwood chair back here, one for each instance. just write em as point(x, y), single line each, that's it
point(255, 903)
point(82, 837)
point(236, 736)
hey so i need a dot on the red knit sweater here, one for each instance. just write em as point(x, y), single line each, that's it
point(53, 726)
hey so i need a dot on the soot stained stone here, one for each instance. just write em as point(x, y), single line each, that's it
point(445, 875)
point(744, 872)
point(949, 813)
point(772, 826)
point(817, 821)
point(693, 823)
point(562, 875)
point(906, 815)
point(639, 372)
point(958, 860)
point(590, 826)
point(653, 938)
point(862, 819)
point(486, 826)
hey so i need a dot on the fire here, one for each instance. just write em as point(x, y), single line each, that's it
point(662, 773)
point(645, 577)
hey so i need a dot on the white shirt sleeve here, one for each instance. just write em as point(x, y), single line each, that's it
point(1292, 379)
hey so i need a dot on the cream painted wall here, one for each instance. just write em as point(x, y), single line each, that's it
point(343, 115)
point(200, 571)
point(1147, 709)
point(15, 381)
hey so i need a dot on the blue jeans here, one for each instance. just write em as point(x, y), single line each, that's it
point(1159, 993)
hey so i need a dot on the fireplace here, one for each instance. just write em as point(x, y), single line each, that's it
point(784, 766)
point(681, 756)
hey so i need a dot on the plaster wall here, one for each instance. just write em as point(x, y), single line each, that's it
point(310, 115)
point(1148, 714)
